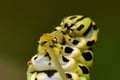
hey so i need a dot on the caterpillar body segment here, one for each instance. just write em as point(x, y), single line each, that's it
point(53, 75)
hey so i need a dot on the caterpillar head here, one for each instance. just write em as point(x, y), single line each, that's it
point(77, 25)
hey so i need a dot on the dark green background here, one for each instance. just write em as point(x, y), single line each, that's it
point(22, 22)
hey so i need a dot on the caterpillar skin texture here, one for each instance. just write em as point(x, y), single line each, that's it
point(72, 42)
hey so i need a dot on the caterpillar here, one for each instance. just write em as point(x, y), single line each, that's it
point(66, 53)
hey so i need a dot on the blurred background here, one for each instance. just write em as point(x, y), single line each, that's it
point(22, 22)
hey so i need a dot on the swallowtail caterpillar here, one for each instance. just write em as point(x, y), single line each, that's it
point(66, 53)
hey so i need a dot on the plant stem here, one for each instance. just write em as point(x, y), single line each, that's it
point(57, 63)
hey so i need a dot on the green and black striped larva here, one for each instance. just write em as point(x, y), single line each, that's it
point(66, 53)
